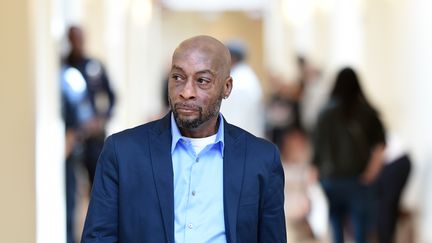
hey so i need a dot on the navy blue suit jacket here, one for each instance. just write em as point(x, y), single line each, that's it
point(133, 196)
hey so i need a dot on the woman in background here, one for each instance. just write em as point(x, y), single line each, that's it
point(348, 143)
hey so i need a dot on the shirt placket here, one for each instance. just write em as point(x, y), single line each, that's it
point(191, 224)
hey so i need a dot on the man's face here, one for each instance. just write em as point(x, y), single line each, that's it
point(196, 88)
point(76, 39)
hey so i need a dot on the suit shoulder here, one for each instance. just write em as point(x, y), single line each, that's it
point(135, 132)
point(254, 141)
point(260, 153)
point(262, 145)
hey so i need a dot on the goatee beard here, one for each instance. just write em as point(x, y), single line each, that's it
point(202, 118)
point(186, 123)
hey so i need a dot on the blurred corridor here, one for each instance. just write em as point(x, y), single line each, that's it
point(387, 42)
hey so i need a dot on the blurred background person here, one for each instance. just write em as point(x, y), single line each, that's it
point(87, 103)
point(348, 143)
point(312, 93)
point(246, 93)
point(391, 183)
point(99, 94)
point(75, 111)
point(306, 209)
point(288, 107)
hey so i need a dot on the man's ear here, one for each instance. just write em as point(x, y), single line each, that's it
point(228, 85)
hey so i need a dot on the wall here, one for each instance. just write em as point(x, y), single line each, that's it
point(49, 160)
point(31, 172)
point(17, 140)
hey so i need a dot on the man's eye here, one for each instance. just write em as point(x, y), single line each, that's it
point(176, 77)
point(203, 81)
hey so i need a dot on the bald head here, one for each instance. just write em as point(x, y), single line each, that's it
point(214, 50)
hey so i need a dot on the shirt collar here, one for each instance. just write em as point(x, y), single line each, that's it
point(176, 135)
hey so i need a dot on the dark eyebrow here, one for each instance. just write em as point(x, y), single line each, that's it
point(177, 67)
point(206, 71)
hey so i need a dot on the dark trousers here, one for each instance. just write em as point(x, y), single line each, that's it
point(71, 185)
point(92, 149)
point(390, 184)
point(85, 153)
point(349, 202)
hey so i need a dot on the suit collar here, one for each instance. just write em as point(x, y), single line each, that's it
point(234, 162)
point(163, 125)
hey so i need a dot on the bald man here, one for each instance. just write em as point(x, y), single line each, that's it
point(190, 176)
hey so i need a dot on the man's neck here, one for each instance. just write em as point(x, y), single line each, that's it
point(206, 129)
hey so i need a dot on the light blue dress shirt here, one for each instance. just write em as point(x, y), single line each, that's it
point(198, 189)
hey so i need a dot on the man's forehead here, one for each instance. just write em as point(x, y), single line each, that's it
point(195, 52)
point(202, 53)
point(202, 46)
point(202, 42)
point(196, 57)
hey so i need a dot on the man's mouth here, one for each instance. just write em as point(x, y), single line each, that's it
point(186, 109)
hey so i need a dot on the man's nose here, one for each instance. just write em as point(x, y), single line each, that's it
point(189, 90)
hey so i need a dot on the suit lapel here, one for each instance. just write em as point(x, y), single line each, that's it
point(160, 144)
point(233, 168)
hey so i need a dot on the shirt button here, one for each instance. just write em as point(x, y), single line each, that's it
point(197, 160)
point(193, 193)
point(190, 226)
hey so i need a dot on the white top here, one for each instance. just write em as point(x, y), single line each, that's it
point(395, 148)
point(244, 107)
point(198, 144)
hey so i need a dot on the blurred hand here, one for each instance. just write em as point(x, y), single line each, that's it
point(94, 127)
point(374, 166)
point(299, 208)
point(70, 141)
point(368, 176)
point(313, 175)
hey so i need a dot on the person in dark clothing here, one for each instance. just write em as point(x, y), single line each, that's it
point(348, 143)
point(87, 104)
point(391, 183)
point(284, 110)
point(99, 95)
